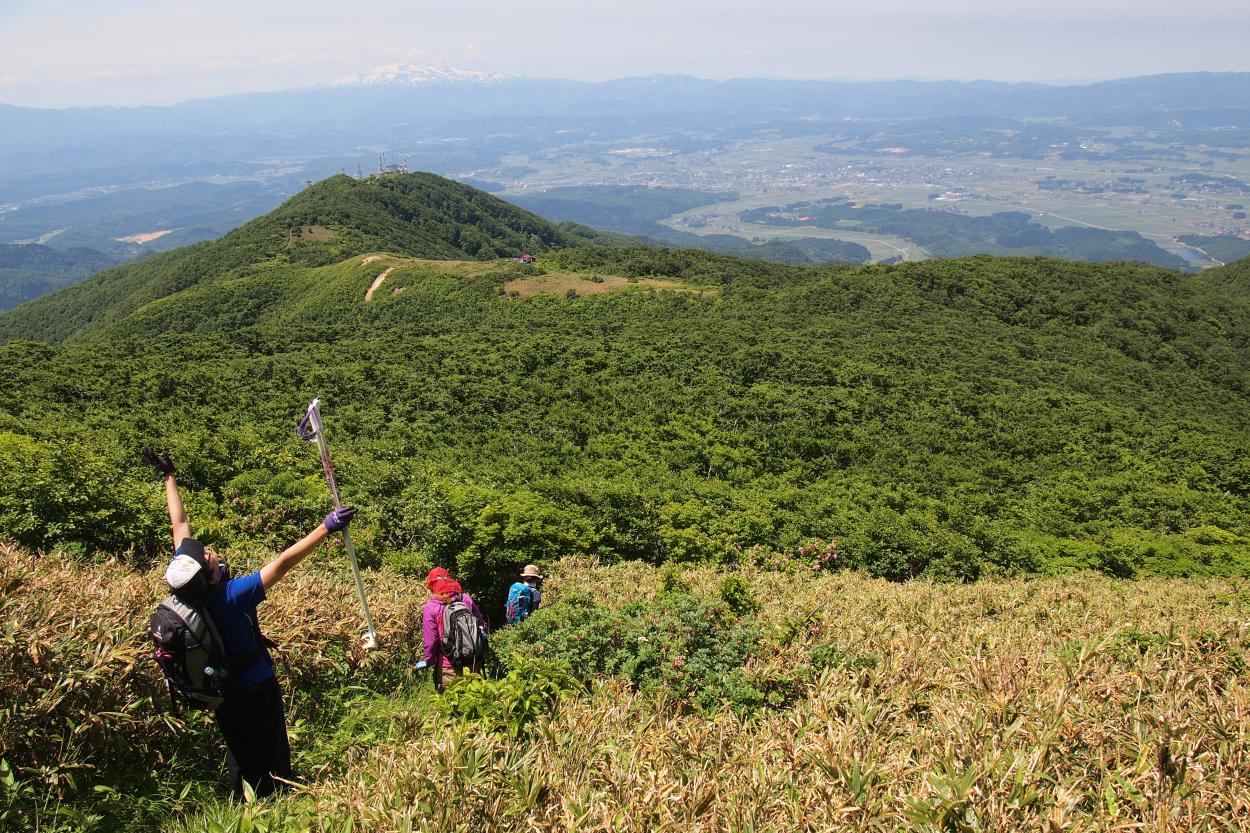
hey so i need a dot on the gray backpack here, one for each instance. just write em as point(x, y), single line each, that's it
point(190, 653)
point(464, 641)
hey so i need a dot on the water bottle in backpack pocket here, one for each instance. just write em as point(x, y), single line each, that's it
point(190, 653)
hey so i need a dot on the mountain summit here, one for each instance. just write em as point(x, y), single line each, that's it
point(411, 75)
point(417, 215)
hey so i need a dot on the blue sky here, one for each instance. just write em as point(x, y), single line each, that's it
point(58, 53)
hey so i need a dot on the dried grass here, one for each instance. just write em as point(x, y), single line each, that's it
point(1079, 703)
point(79, 693)
point(560, 283)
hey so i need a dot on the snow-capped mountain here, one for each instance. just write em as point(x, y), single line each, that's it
point(410, 75)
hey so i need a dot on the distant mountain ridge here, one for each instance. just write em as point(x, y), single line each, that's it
point(1158, 93)
point(400, 74)
point(450, 121)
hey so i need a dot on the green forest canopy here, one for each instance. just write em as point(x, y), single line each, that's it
point(949, 419)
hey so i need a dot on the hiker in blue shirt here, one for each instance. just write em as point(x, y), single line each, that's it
point(524, 596)
point(251, 717)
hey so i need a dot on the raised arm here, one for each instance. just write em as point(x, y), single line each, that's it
point(273, 572)
point(178, 521)
point(180, 527)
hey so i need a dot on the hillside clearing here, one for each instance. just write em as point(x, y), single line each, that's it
point(309, 234)
point(561, 283)
point(143, 237)
point(553, 283)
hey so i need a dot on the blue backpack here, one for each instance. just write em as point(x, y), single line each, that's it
point(520, 603)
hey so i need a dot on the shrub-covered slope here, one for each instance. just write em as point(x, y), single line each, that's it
point(946, 419)
point(418, 214)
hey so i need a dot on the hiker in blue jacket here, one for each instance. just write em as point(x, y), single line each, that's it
point(251, 718)
point(524, 596)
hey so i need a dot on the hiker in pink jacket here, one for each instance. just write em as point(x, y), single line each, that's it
point(443, 590)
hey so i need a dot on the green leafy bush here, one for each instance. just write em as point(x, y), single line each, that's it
point(692, 647)
point(576, 633)
point(738, 596)
point(65, 493)
point(530, 690)
point(672, 580)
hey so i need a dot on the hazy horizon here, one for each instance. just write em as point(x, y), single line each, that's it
point(59, 53)
point(835, 80)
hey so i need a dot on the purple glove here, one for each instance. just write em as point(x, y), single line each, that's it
point(339, 518)
point(160, 462)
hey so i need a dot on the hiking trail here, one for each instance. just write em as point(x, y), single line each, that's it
point(377, 281)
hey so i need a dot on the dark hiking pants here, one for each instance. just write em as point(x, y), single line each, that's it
point(253, 723)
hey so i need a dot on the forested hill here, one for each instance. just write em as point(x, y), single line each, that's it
point(419, 214)
point(951, 418)
point(1233, 279)
point(31, 269)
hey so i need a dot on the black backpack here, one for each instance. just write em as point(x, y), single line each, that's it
point(464, 642)
point(191, 656)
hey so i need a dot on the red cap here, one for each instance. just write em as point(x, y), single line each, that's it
point(435, 574)
point(445, 585)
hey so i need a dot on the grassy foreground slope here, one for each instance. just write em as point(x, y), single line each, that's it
point(1071, 703)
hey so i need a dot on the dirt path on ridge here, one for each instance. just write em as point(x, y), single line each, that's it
point(377, 282)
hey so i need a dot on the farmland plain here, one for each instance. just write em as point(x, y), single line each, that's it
point(1137, 192)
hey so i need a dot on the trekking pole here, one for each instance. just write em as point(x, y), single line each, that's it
point(310, 429)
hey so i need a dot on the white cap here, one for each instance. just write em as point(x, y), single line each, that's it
point(181, 570)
